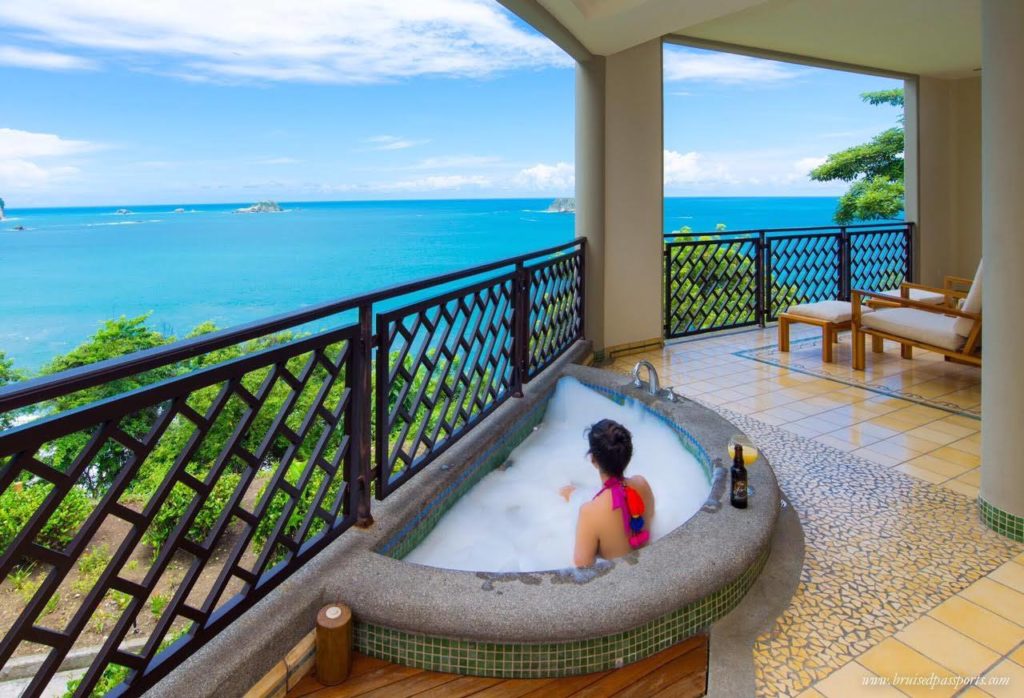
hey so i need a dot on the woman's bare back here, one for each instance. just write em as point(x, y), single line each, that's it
point(600, 530)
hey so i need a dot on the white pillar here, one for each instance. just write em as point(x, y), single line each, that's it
point(619, 167)
point(590, 188)
point(1002, 472)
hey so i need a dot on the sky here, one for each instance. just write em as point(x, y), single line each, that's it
point(120, 102)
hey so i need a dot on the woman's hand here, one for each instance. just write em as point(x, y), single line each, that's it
point(566, 491)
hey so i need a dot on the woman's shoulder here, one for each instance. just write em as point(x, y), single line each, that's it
point(637, 482)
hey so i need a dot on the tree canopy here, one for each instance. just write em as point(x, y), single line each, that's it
point(874, 169)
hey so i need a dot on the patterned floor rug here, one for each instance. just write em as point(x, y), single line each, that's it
point(881, 550)
point(887, 374)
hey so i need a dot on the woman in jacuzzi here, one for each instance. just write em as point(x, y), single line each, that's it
point(618, 518)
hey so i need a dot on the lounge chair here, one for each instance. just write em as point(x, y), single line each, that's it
point(954, 332)
point(953, 292)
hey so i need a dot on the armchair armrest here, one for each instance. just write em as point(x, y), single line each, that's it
point(856, 297)
point(946, 290)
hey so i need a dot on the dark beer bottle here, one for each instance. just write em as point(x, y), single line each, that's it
point(738, 496)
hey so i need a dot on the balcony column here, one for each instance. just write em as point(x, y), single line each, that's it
point(1002, 476)
point(619, 143)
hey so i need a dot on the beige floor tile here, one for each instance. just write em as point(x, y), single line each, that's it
point(937, 465)
point(971, 477)
point(970, 445)
point(921, 474)
point(1018, 655)
point(891, 658)
point(1014, 687)
point(810, 693)
point(953, 650)
point(998, 598)
point(875, 457)
point(961, 488)
point(929, 433)
point(1011, 574)
point(955, 455)
point(972, 692)
point(854, 679)
point(980, 624)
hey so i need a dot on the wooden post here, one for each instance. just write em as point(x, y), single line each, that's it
point(333, 644)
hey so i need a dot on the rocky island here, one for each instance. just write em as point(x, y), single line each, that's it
point(261, 207)
point(123, 212)
point(566, 205)
point(1, 209)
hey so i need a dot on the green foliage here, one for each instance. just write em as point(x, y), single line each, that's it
point(875, 169)
point(90, 567)
point(727, 295)
point(157, 604)
point(115, 338)
point(115, 674)
point(17, 508)
point(868, 199)
point(8, 374)
point(178, 501)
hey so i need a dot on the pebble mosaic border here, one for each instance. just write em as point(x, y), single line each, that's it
point(544, 660)
point(1002, 522)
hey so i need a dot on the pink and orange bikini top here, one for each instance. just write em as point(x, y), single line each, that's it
point(631, 503)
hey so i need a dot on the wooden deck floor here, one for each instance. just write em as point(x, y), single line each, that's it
point(679, 672)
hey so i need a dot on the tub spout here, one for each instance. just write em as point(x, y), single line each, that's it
point(652, 375)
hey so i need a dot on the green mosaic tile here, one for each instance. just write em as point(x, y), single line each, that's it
point(1000, 521)
point(538, 660)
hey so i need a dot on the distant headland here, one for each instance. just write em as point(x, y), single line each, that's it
point(261, 207)
point(1, 209)
point(565, 205)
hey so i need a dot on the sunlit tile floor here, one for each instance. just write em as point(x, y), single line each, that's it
point(902, 610)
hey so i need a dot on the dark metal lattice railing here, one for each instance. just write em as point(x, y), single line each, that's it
point(241, 454)
point(722, 280)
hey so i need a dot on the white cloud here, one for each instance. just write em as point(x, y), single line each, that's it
point(768, 171)
point(16, 144)
point(557, 178)
point(19, 57)
point(326, 41)
point(392, 143)
point(727, 68)
point(20, 151)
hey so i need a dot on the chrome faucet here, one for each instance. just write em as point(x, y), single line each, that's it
point(652, 375)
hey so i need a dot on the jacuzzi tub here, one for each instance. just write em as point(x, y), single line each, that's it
point(536, 624)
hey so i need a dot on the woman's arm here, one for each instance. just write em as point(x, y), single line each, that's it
point(585, 553)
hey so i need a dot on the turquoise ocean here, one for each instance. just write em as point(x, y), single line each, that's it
point(69, 269)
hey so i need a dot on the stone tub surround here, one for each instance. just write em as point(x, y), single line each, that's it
point(700, 558)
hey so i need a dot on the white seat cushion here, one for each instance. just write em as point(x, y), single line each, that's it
point(919, 295)
point(920, 325)
point(972, 304)
point(830, 311)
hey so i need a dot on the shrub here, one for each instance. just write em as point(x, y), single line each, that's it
point(17, 509)
point(179, 499)
point(276, 508)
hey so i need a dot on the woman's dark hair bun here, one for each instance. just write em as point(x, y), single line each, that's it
point(611, 444)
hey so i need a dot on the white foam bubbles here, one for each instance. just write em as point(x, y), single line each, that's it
point(515, 520)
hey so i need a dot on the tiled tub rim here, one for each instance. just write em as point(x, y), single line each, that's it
point(526, 660)
point(412, 533)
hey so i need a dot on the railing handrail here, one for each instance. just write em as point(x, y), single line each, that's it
point(760, 231)
point(35, 390)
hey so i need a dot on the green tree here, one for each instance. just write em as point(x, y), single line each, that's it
point(115, 338)
point(874, 169)
point(8, 374)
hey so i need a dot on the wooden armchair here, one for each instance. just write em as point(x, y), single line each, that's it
point(954, 289)
point(944, 328)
